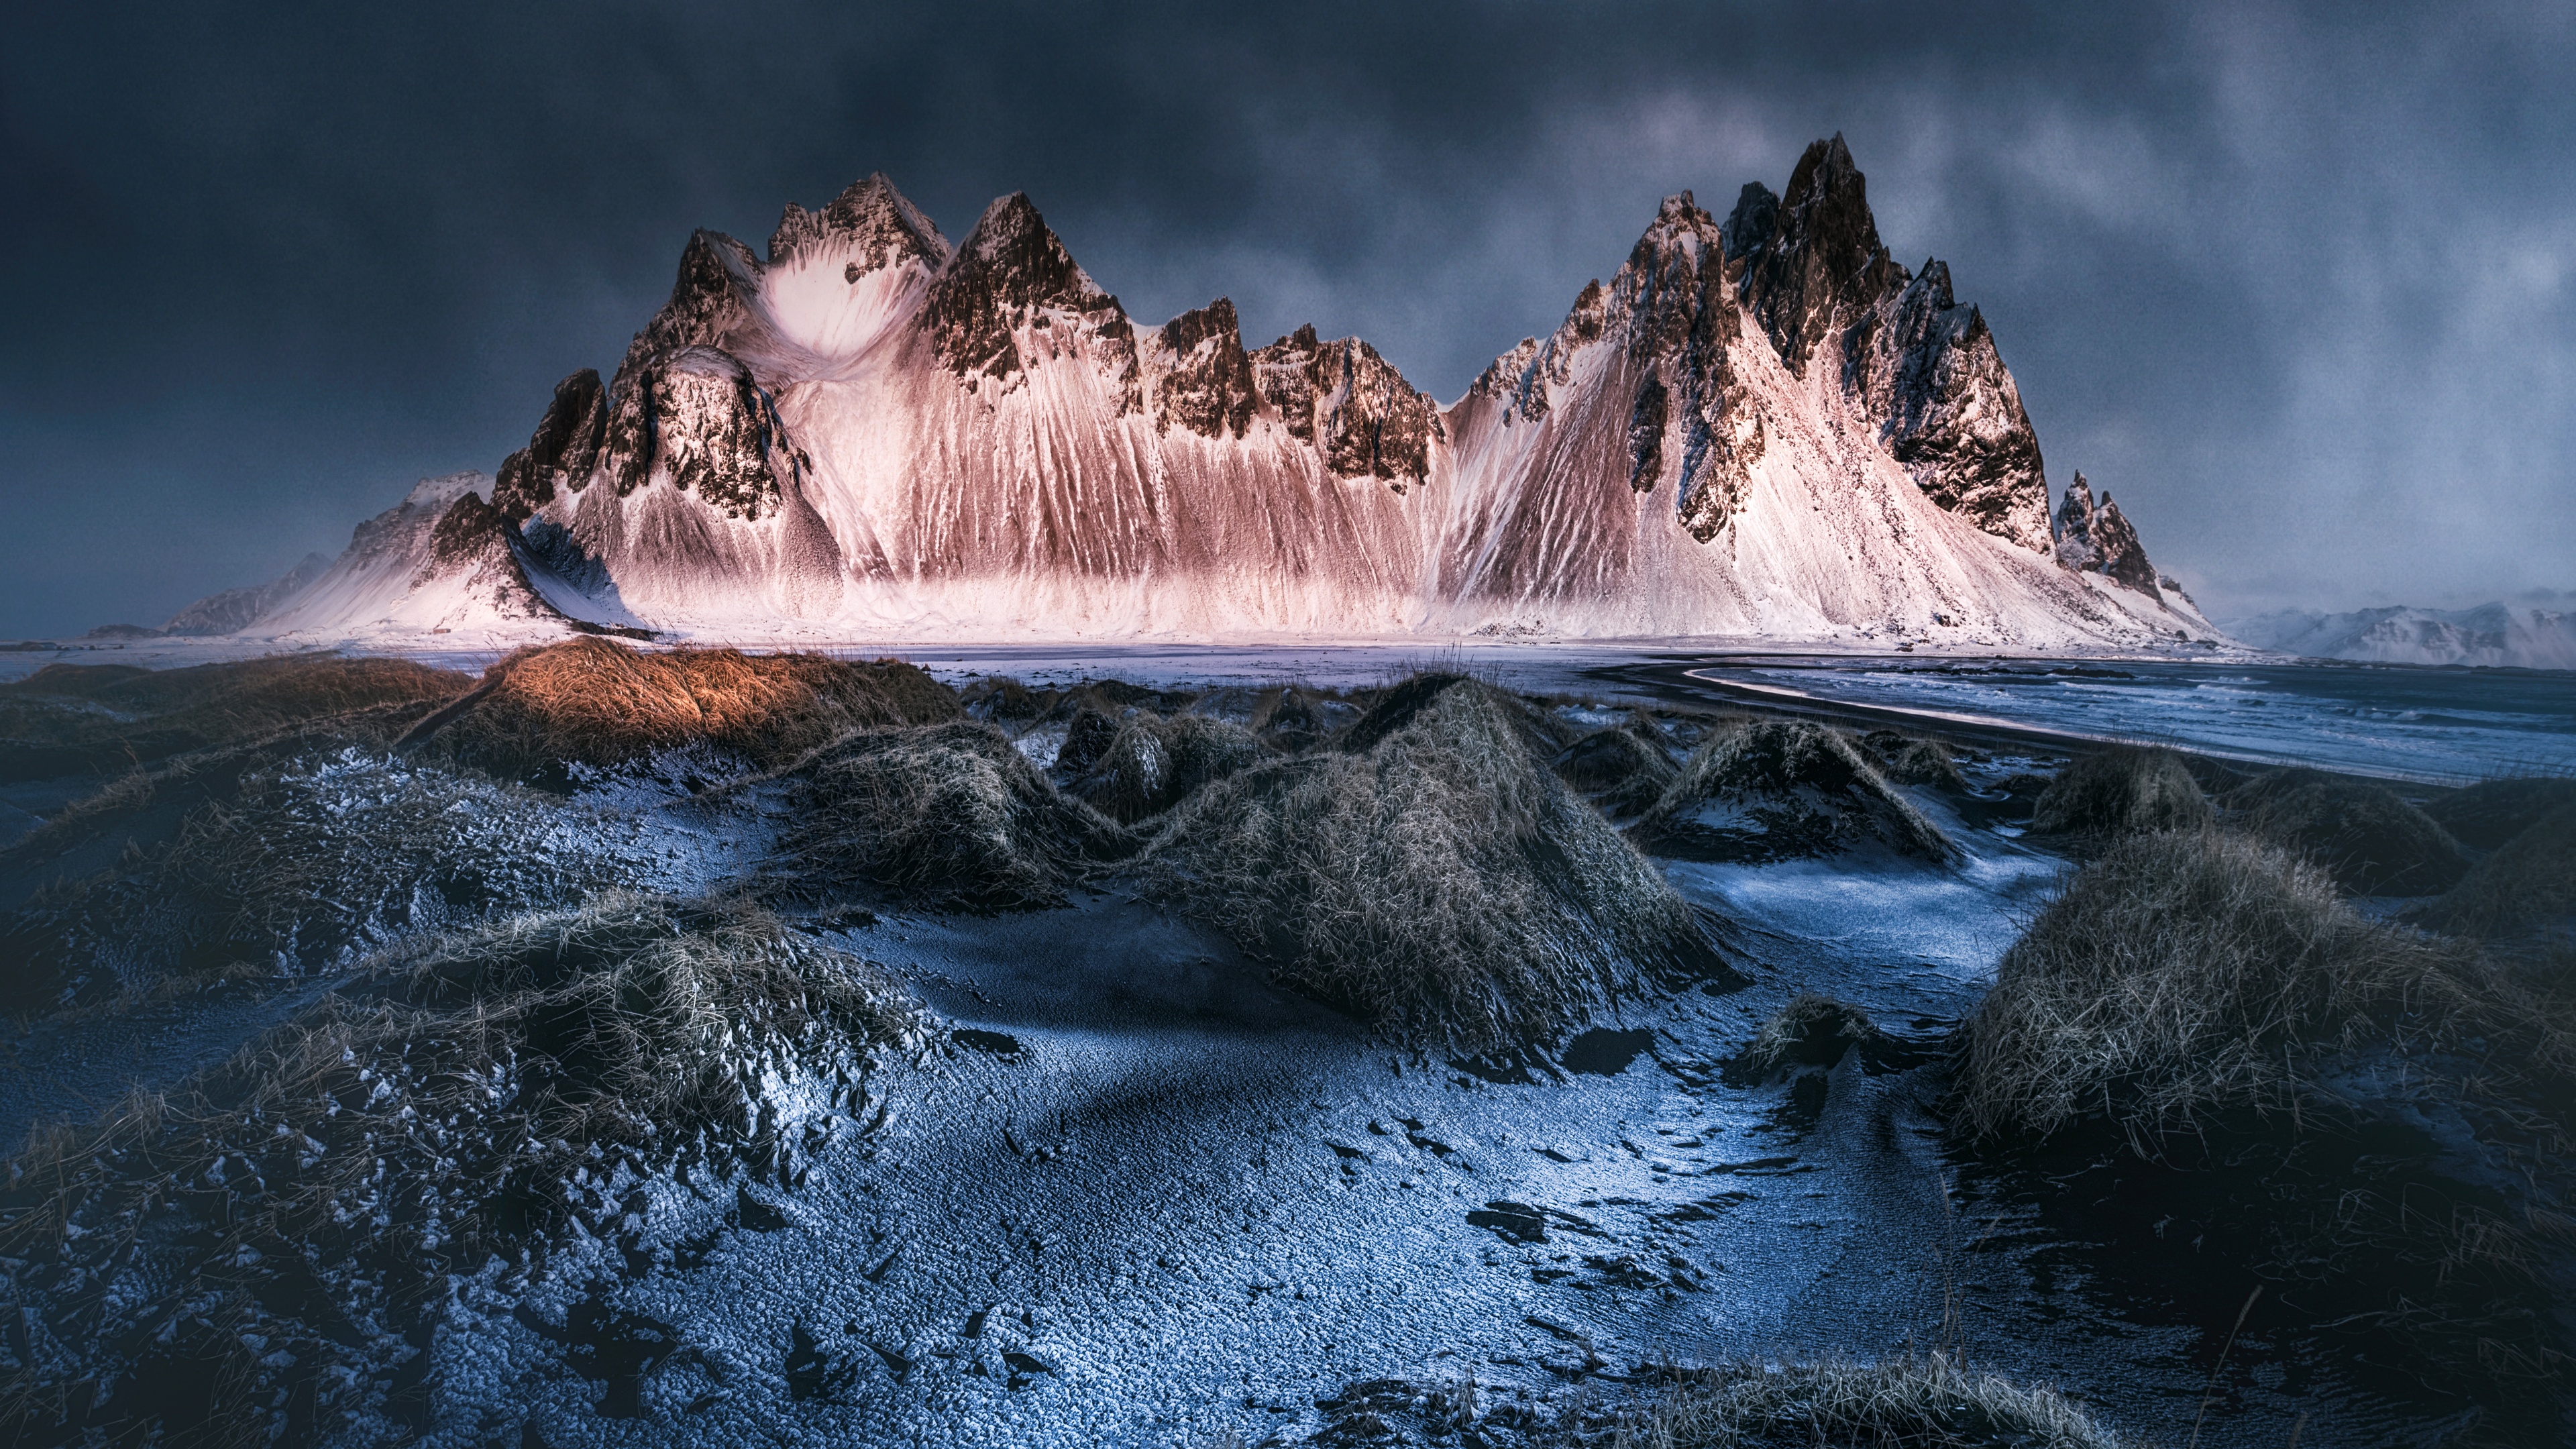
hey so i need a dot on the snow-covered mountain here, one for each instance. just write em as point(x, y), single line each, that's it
point(2491, 634)
point(224, 612)
point(440, 560)
point(1761, 426)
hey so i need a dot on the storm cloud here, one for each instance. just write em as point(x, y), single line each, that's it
point(2297, 284)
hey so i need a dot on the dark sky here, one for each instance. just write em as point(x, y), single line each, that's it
point(2297, 284)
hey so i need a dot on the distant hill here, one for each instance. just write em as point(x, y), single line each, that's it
point(2493, 634)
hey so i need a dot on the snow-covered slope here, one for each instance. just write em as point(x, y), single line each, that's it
point(224, 612)
point(440, 561)
point(1764, 427)
point(2491, 634)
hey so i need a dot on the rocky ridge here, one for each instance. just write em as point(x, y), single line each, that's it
point(874, 427)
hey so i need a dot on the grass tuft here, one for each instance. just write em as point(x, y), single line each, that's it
point(1812, 1030)
point(72, 719)
point(1931, 1402)
point(946, 815)
point(300, 864)
point(1911, 761)
point(1625, 769)
point(1769, 789)
point(596, 702)
point(2125, 790)
point(2369, 840)
point(243, 1257)
point(1429, 875)
point(2189, 972)
point(2527, 886)
point(2490, 813)
point(1153, 762)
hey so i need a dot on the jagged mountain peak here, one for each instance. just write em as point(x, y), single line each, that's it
point(1013, 234)
point(875, 430)
point(1670, 296)
point(1205, 380)
point(1821, 261)
point(1749, 226)
point(876, 223)
point(2095, 536)
point(1352, 404)
point(709, 298)
point(1680, 214)
point(1010, 274)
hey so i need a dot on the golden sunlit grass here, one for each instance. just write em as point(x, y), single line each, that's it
point(596, 702)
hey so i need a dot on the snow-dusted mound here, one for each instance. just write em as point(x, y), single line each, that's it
point(2492, 634)
point(1764, 426)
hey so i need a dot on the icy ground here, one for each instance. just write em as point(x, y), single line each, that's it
point(1146, 1199)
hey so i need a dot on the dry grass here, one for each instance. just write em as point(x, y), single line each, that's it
point(2214, 1002)
point(2125, 790)
point(1812, 1030)
point(2191, 972)
point(481, 1095)
point(1293, 717)
point(1000, 697)
point(1912, 761)
point(2369, 840)
point(297, 865)
point(1797, 788)
point(1930, 1402)
point(2528, 885)
point(1154, 762)
point(1429, 875)
point(1625, 769)
point(1086, 741)
point(2486, 815)
point(595, 702)
point(69, 719)
point(945, 815)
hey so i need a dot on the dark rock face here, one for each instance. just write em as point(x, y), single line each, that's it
point(1013, 277)
point(1948, 410)
point(465, 534)
point(1755, 219)
point(1819, 263)
point(2101, 540)
point(1821, 283)
point(874, 218)
point(2072, 528)
point(1646, 424)
point(1674, 304)
point(1673, 312)
point(1352, 404)
point(561, 453)
point(716, 273)
point(1210, 388)
point(2123, 557)
point(720, 434)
